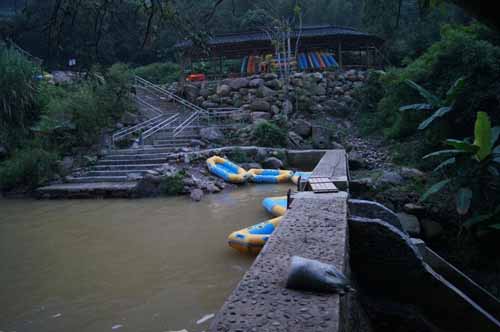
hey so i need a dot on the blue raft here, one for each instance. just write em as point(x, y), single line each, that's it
point(226, 170)
point(275, 205)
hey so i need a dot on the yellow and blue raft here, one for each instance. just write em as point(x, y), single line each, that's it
point(252, 239)
point(269, 175)
point(302, 175)
point(226, 170)
point(275, 205)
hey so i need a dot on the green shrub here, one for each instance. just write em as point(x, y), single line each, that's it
point(173, 184)
point(461, 52)
point(28, 168)
point(18, 106)
point(75, 115)
point(239, 156)
point(269, 135)
point(159, 73)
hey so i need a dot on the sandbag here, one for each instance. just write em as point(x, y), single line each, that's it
point(312, 275)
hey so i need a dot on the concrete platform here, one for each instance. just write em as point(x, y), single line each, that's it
point(314, 227)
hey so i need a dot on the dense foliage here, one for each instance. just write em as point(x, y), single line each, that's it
point(159, 72)
point(17, 95)
point(270, 135)
point(466, 52)
point(28, 168)
point(41, 121)
point(472, 170)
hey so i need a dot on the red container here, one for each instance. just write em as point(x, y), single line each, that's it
point(196, 77)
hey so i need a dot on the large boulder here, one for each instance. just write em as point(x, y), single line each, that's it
point(256, 82)
point(129, 118)
point(211, 134)
point(260, 105)
point(270, 76)
point(274, 84)
point(390, 177)
point(196, 195)
point(412, 173)
point(272, 163)
point(223, 90)
point(237, 83)
point(321, 137)
point(356, 161)
point(191, 91)
point(263, 92)
point(209, 104)
point(302, 127)
point(257, 116)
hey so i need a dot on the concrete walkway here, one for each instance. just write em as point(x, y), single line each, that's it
point(314, 227)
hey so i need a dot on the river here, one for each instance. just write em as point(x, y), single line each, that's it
point(122, 265)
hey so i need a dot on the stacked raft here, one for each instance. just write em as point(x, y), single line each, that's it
point(315, 60)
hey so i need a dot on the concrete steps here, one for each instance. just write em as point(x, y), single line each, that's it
point(142, 151)
point(96, 179)
point(116, 173)
point(140, 156)
point(111, 162)
point(124, 167)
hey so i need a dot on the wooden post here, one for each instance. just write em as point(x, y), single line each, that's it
point(340, 55)
point(182, 63)
point(221, 62)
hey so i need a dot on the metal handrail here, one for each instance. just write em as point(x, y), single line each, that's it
point(162, 125)
point(171, 95)
point(130, 130)
point(148, 105)
point(189, 120)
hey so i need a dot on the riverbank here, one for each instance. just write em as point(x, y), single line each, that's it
point(185, 173)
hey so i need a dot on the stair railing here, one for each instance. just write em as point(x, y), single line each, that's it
point(166, 124)
point(186, 123)
point(121, 134)
point(142, 83)
point(148, 106)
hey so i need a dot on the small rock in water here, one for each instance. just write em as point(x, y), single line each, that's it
point(116, 327)
point(196, 195)
point(205, 318)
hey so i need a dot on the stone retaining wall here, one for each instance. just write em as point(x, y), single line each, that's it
point(263, 94)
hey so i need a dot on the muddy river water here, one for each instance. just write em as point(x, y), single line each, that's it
point(122, 265)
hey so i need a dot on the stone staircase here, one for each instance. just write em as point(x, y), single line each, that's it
point(170, 124)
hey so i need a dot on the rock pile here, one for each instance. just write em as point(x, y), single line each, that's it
point(263, 94)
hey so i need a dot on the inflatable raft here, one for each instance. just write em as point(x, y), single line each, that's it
point(302, 175)
point(269, 175)
point(275, 205)
point(252, 239)
point(226, 170)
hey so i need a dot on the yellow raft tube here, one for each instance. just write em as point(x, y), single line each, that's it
point(275, 205)
point(252, 239)
point(226, 170)
point(258, 175)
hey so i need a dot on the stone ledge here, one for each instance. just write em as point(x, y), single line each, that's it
point(261, 301)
